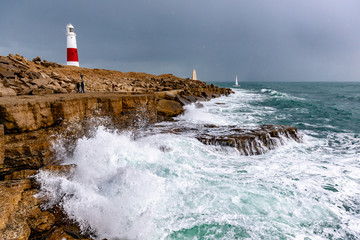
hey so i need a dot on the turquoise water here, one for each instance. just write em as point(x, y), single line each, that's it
point(127, 187)
point(331, 106)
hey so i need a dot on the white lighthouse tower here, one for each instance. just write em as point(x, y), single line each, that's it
point(72, 54)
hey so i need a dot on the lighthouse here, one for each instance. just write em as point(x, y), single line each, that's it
point(72, 54)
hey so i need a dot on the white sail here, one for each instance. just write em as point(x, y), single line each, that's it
point(194, 75)
point(236, 83)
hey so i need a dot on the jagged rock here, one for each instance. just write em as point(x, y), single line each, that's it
point(20, 213)
point(37, 60)
point(2, 144)
point(51, 64)
point(7, 92)
point(57, 89)
point(199, 105)
point(41, 91)
point(42, 82)
point(41, 221)
point(22, 174)
point(58, 234)
point(63, 170)
point(33, 75)
point(7, 74)
point(25, 91)
point(17, 206)
point(190, 98)
point(182, 100)
point(170, 96)
point(26, 154)
point(4, 60)
point(252, 141)
point(169, 108)
point(72, 87)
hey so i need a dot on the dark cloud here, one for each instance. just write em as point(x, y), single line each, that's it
point(278, 40)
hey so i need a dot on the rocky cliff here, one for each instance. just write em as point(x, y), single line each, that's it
point(38, 105)
point(20, 76)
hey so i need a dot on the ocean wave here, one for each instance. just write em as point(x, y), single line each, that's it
point(136, 190)
point(171, 186)
point(277, 94)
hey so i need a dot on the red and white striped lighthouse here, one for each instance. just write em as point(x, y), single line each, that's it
point(72, 54)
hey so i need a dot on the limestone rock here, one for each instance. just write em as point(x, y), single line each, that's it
point(22, 174)
point(37, 59)
point(63, 170)
point(169, 108)
point(59, 234)
point(41, 91)
point(41, 220)
point(7, 92)
point(6, 74)
point(2, 144)
point(51, 64)
point(13, 210)
point(252, 141)
point(42, 82)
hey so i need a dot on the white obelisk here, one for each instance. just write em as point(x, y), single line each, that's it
point(194, 75)
point(72, 54)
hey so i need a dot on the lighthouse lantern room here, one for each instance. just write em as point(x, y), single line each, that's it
point(72, 54)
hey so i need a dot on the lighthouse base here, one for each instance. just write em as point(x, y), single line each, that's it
point(71, 63)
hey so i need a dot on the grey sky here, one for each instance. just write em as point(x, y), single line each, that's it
point(258, 40)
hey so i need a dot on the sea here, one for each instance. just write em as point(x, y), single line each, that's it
point(149, 184)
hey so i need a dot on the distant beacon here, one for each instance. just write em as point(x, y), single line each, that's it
point(194, 75)
point(72, 54)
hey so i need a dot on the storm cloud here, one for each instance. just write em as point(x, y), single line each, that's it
point(277, 40)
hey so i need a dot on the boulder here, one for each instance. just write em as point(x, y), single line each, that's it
point(57, 89)
point(7, 92)
point(42, 82)
point(41, 91)
point(58, 234)
point(33, 75)
point(51, 64)
point(169, 108)
point(7, 74)
point(252, 141)
point(37, 60)
point(182, 100)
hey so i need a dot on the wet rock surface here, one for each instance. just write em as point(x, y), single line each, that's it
point(248, 141)
point(252, 141)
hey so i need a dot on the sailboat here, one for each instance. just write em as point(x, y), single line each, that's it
point(236, 83)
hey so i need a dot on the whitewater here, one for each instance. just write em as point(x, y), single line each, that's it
point(153, 184)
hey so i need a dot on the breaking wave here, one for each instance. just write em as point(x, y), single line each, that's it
point(171, 186)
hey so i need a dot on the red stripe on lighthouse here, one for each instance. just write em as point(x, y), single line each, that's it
point(72, 55)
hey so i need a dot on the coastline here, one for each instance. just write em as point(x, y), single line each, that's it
point(38, 116)
point(39, 102)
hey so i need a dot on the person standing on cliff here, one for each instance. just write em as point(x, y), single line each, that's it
point(77, 87)
point(82, 84)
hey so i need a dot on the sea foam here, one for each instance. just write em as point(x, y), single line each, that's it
point(171, 186)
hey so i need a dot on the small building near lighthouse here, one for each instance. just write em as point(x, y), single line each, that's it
point(72, 54)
